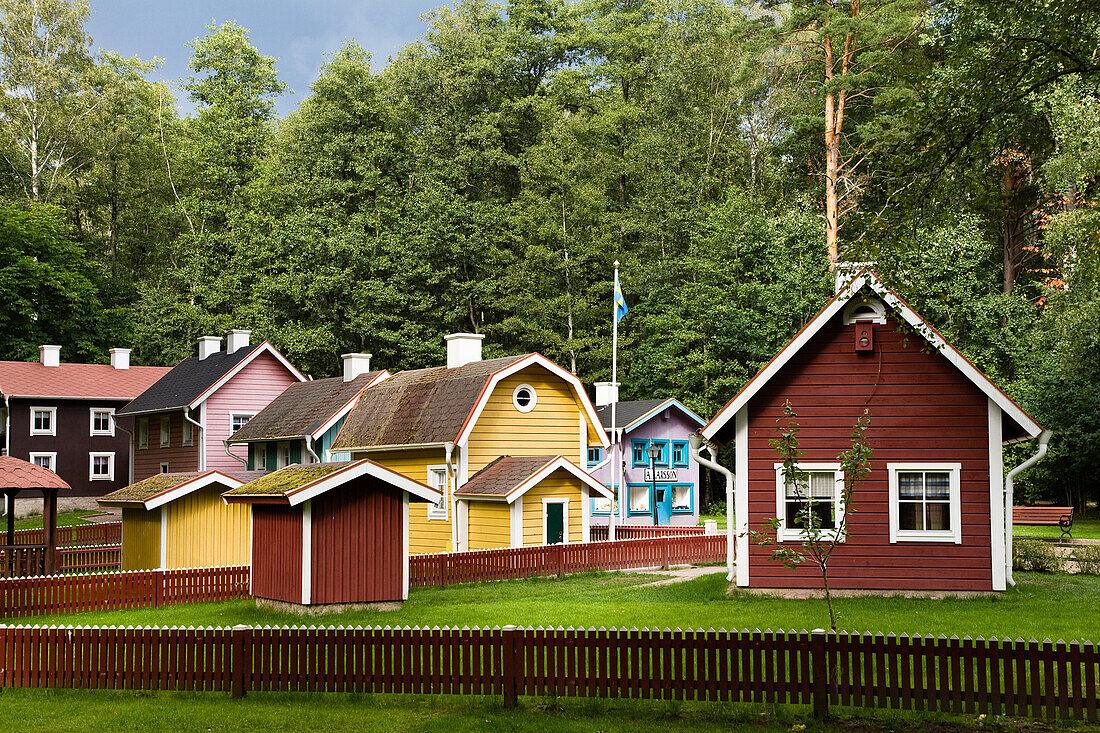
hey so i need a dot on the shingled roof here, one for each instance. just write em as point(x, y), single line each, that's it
point(303, 408)
point(628, 412)
point(419, 406)
point(16, 473)
point(76, 381)
point(509, 477)
point(189, 379)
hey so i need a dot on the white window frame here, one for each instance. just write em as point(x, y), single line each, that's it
point(530, 405)
point(165, 431)
point(142, 433)
point(164, 466)
point(188, 432)
point(110, 431)
point(564, 501)
point(234, 414)
point(282, 454)
point(783, 534)
point(92, 475)
point(52, 430)
point(953, 535)
point(860, 301)
point(435, 512)
point(42, 454)
point(259, 457)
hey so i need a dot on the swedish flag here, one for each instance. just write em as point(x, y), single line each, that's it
point(620, 302)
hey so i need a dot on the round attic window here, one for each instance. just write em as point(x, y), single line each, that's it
point(524, 398)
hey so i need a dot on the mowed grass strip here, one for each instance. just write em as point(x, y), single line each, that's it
point(62, 711)
point(1040, 606)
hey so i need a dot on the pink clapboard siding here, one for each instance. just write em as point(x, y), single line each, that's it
point(250, 390)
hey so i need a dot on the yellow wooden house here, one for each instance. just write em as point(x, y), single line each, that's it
point(179, 520)
point(444, 425)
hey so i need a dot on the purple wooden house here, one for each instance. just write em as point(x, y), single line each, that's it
point(664, 490)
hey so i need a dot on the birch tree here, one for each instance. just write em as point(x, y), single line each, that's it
point(45, 92)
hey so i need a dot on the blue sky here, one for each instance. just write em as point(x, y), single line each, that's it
point(298, 34)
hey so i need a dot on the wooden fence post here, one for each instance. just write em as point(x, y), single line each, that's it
point(561, 560)
point(668, 553)
point(509, 666)
point(819, 665)
point(442, 569)
point(242, 659)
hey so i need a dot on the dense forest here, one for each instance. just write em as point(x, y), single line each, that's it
point(486, 178)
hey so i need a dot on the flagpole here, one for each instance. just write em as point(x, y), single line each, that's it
point(616, 479)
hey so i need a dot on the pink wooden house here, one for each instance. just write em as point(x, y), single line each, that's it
point(182, 422)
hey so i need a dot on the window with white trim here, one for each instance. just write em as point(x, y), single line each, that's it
point(282, 455)
point(45, 460)
point(164, 467)
point(925, 502)
point(437, 479)
point(43, 421)
point(820, 488)
point(188, 432)
point(259, 457)
point(524, 398)
point(101, 422)
point(237, 420)
point(143, 432)
point(165, 431)
point(101, 466)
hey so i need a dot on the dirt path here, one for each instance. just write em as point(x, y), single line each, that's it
point(681, 575)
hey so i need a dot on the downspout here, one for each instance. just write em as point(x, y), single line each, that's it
point(309, 448)
point(448, 449)
point(695, 443)
point(1044, 438)
point(202, 437)
point(129, 476)
point(234, 456)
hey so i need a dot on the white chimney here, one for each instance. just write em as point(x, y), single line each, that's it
point(354, 365)
point(237, 339)
point(49, 355)
point(209, 345)
point(606, 393)
point(120, 358)
point(463, 348)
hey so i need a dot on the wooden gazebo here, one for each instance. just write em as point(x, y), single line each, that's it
point(30, 559)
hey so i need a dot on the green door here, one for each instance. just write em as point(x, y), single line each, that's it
point(555, 524)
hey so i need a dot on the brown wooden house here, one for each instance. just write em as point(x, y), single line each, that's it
point(331, 533)
point(931, 515)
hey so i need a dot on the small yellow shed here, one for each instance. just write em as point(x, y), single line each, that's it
point(519, 501)
point(179, 520)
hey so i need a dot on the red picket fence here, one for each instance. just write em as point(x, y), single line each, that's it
point(107, 533)
point(525, 562)
point(92, 558)
point(57, 594)
point(923, 673)
point(599, 532)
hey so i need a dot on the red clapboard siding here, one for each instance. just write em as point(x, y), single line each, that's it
point(180, 458)
point(922, 410)
point(277, 552)
point(357, 544)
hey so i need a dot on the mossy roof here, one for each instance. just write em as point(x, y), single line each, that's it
point(142, 491)
point(302, 408)
point(289, 479)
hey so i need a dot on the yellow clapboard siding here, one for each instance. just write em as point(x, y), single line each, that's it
point(490, 525)
point(551, 428)
point(140, 539)
point(425, 535)
point(205, 532)
point(558, 485)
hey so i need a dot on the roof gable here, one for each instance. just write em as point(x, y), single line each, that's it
point(510, 477)
point(163, 488)
point(306, 409)
point(634, 414)
point(298, 483)
point(193, 380)
point(76, 381)
point(902, 309)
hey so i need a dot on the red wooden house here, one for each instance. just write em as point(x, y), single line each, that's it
point(931, 515)
point(331, 533)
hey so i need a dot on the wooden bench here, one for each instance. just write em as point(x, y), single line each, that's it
point(1053, 516)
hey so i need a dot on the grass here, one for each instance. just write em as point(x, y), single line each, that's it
point(1040, 606)
point(1083, 529)
point(720, 518)
point(72, 517)
point(62, 711)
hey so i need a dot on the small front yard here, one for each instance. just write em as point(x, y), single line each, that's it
point(72, 517)
point(1041, 605)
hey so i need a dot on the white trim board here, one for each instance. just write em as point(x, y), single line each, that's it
point(951, 536)
point(670, 402)
point(559, 462)
point(564, 501)
point(362, 467)
point(899, 306)
point(316, 434)
point(191, 485)
point(261, 348)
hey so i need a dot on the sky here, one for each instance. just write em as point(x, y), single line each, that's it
point(299, 34)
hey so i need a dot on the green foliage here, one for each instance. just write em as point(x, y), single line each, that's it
point(1087, 558)
point(1035, 555)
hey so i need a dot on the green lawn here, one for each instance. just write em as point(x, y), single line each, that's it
point(1083, 529)
point(64, 519)
point(1055, 606)
point(62, 711)
point(720, 518)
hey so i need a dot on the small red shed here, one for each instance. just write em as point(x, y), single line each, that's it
point(931, 515)
point(331, 533)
